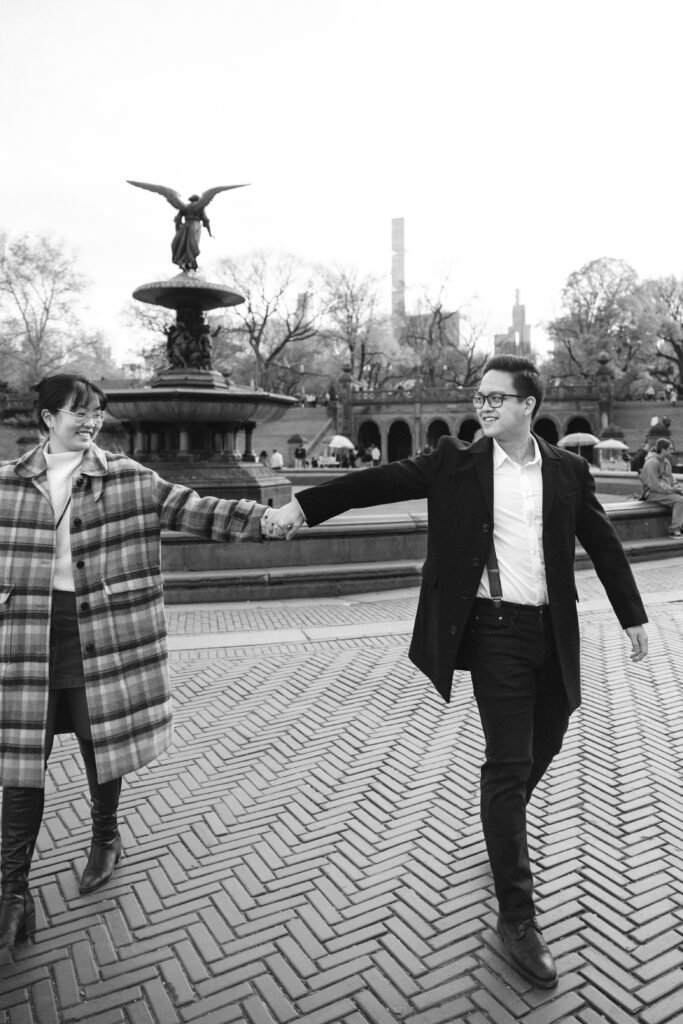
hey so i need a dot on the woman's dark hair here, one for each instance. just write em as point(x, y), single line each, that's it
point(525, 377)
point(663, 444)
point(65, 391)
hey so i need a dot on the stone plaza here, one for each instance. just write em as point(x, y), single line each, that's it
point(310, 849)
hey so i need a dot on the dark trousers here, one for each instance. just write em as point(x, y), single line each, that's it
point(524, 715)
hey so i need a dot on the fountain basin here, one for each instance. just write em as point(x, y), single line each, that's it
point(191, 405)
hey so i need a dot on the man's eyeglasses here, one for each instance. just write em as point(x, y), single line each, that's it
point(495, 399)
point(81, 415)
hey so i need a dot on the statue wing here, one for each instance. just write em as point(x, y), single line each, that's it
point(169, 193)
point(207, 196)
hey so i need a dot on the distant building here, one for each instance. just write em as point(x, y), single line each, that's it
point(517, 340)
point(398, 269)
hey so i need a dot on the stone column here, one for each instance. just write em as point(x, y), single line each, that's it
point(248, 453)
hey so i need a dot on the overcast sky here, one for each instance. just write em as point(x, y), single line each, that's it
point(518, 140)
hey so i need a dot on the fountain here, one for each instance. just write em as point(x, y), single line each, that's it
point(186, 423)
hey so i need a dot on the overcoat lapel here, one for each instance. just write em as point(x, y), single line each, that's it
point(482, 453)
point(550, 462)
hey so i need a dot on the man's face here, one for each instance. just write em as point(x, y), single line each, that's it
point(510, 421)
point(666, 453)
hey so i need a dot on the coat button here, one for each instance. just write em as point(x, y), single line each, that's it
point(85, 605)
point(77, 521)
point(465, 595)
point(485, 527)
point(453, 630)
point(476, 561)
point(89, 648)
point(80, 564)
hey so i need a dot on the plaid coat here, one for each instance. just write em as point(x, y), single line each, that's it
point(118, 510)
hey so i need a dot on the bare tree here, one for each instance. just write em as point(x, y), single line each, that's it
point(443, 344)
point(354, 326)
point(663, 301)
point(39, 291)
point(279, 310)
point(601, 313)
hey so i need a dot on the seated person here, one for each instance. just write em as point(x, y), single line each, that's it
point(658, 483)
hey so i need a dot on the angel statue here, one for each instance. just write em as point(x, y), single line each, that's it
point(188, 221)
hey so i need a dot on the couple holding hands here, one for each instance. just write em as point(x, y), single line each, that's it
point(81, 610)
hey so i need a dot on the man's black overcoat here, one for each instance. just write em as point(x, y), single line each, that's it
point(457, 480)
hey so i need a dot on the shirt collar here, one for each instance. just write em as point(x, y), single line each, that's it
point(500, 456)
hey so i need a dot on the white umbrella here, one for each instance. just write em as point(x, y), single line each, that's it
point(578, 440)
point(338, 441)
point(612, 442)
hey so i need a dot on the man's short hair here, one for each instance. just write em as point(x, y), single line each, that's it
point(663, 444)
point(525, 376)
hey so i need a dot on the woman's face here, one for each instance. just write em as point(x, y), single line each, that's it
point(73, 430)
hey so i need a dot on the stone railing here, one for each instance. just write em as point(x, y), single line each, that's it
point(421, 393)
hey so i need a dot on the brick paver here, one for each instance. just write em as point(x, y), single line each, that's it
point(310, 850)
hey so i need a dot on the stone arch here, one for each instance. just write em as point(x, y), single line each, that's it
point(546, 427)
point(368, 435)
point(468, 428)
point(436, 429)
point(399, 441)
point(578, 424)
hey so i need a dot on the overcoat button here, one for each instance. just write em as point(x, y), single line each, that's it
point(465, 594)
point(476, 561)
point(453, 630)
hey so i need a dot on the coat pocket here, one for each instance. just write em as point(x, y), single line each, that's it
point(136, 608)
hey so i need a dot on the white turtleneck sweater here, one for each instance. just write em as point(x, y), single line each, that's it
point(60, 472)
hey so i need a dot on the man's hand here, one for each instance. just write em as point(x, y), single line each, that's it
point(638, 638)
point(288, 520)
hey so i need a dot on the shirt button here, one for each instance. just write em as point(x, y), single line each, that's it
point(485, 528)
point(89, 648)
point(85, 606)
point(80, 565)
point(77, 521)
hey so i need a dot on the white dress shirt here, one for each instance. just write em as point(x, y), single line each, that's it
point(518, 529)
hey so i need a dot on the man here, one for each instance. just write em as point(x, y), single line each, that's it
point(276, 461)
point(512, 494)
point(659, 484)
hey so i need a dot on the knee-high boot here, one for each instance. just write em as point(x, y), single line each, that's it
point(22, 813)
point(105, 849)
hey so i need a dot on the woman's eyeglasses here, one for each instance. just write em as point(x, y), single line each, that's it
point(81, 415)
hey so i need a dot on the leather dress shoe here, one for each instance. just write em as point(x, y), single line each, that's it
point(528, 951)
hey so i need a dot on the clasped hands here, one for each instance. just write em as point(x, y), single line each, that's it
point(282, 523)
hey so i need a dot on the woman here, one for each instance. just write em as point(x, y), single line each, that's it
point(82, 630)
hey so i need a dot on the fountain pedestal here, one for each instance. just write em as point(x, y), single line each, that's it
point(187, 424)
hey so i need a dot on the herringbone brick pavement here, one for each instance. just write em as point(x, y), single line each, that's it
point(310, 848)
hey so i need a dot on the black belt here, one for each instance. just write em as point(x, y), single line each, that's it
point(508, 606)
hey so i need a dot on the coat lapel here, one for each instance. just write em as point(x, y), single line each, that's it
point(550, 462)
point(482, 453)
